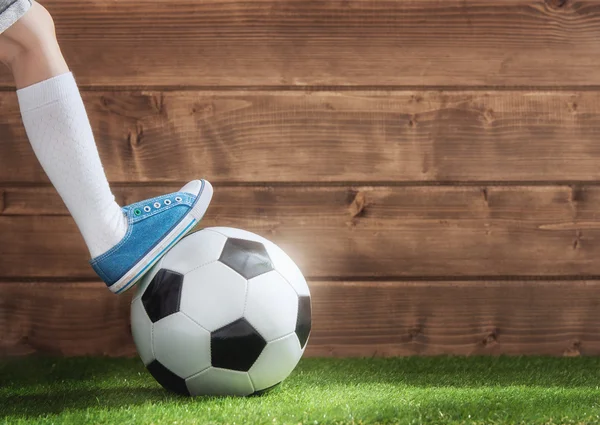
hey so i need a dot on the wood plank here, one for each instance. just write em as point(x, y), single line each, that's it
point(330, 137)
point(358, 42)
point(349, 319)
point(346, 232)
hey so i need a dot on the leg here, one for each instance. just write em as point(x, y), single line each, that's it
point(58, 128)
point(123, 242)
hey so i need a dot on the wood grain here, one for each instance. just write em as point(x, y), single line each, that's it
point(350, 232)
point(349, 319)
point(330, 137)
point(350, 43)
point(63, 319)
point(326, 127)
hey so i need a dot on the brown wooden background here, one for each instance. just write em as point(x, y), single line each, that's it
point(432, 165)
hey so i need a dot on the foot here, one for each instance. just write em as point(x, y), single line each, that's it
point(155, 226)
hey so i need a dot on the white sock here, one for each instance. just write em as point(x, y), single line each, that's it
point(60, 134)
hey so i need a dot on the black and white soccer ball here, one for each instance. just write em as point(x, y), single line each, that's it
point(224, 312)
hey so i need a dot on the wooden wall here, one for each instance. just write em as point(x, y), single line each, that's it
point(432, 165)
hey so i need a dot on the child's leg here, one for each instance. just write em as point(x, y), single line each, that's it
point(58, 128)
point(124, 243)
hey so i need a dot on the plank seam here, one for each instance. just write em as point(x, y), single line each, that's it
point(350, 279)
point(347, 88)
point(307, 184)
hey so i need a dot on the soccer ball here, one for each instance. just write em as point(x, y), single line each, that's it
point(225, 312)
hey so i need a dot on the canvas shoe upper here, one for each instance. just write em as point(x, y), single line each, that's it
point(155, 226)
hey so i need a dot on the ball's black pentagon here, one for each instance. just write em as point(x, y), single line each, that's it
point(163, 295)
point(167, 379)
point(248, 258)
point(236, 346)
point(304, 320)
point(265, 391)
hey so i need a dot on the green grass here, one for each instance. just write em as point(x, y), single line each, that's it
point(444, 390)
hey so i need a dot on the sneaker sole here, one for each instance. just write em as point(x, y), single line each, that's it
point(179, 231)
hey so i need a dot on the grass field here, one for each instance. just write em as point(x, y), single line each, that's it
point(478, 390)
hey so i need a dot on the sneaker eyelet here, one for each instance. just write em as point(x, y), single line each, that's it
point(178, 199)
point(157, 205)
point(137, 212)
point(167, 202)
point(147, 208)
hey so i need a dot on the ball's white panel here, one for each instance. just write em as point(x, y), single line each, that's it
point(181, 345)
point(143, 283)
point(141, 328)
point(215, 381)
point(271, 306)
point(230, 232)
point(213, 295)
point(288, 269)
point(276, 362)
point(194, 250)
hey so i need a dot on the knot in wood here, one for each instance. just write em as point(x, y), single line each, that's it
point(415, 332)
point(106, 102)
point(358, 204)
point(488, 116)
point(158, 103)
point(557, 4)
point(491, 338)
point(135, 137)
point(573, 107)
point(574, 349)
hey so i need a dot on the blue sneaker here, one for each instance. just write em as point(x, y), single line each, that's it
point(155, 226)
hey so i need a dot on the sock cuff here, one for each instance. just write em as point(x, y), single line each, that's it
point(47, 91)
